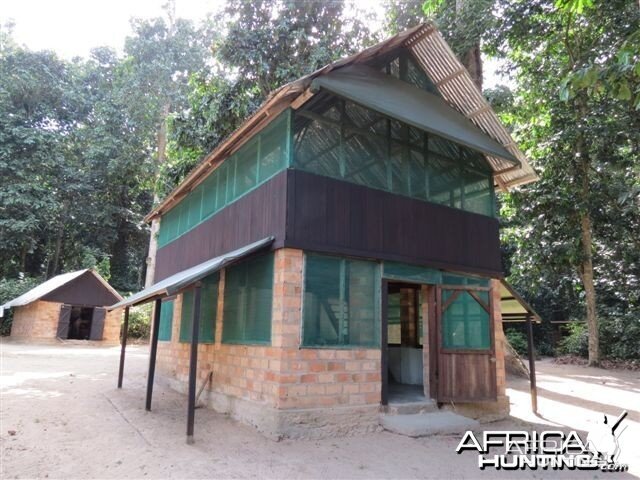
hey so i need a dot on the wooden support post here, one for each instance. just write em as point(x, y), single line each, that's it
point(153, 350)
point(125, 333)
point(193, 364)
point(532, 366)
point(384, 342)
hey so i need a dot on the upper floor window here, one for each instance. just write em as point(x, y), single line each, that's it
point(266, 154)
point(341, 139)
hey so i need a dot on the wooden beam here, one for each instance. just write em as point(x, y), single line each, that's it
point(125, 333)
point(384, 342)
point(532, 366)
point(193, 364)
point(153, 350)
point(480, 301)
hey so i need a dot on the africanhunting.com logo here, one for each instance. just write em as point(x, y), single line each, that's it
point(551, 449)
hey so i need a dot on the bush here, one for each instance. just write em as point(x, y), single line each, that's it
point(577, 340)
point(620, 336)
point(518, 341)
point(10, 289)
point(140, 321)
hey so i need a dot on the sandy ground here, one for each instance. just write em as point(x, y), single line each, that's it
point(71, 422)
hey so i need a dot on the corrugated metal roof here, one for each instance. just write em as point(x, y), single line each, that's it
point(49, 286)
point(177, 282)
point(440, 64)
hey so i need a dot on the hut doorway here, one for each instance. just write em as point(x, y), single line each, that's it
point(80, 320)
point(404, 345)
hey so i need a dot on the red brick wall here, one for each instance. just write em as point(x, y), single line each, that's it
point(36, 320)
point(281, 375)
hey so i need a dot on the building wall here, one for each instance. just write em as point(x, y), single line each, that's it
point(288, 382)
point(37, 320)
point(112, 326)
point(286, 390)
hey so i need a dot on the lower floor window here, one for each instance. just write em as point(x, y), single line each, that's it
point(166, 321)
point(208, 311)
point(248, 295)
point(341, 302)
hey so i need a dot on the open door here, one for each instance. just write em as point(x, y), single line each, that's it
point(466, 370)
point(63, 322)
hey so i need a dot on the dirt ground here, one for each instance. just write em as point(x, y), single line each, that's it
point(71, 422)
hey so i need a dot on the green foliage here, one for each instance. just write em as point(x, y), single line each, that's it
point(518, 341)
point(10, 289)
point(577, 340)
point(267, 44)
point(140, 321)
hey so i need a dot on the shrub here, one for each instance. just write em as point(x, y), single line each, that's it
point(620, 336)
point(518, 341)
point(577, 340)
point(140, 321)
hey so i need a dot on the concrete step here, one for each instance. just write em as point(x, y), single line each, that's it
point(411, 408)
point(425, 424)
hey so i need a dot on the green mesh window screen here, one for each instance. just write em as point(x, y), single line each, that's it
point(248, 298)
point(265, 155)
point(341, 302)
point(343, 140)
point(208, 311)
point(411, 273)
point(465, 323)
point(166, 321)
point(394, 327)
point(404, 67)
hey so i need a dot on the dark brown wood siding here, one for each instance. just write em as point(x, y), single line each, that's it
point(333, 216)
point(257, 215)
point(85, 290)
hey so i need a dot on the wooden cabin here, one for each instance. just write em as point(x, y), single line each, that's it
point(70, 306)
point(340, 251)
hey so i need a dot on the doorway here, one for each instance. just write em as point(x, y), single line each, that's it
point(404, 343)
point(80, 323)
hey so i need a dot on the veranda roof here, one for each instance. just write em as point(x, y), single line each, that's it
point(513, 307)
point(402, 101)
point(177, 282)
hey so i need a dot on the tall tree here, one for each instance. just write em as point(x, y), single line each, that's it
point(582, 128)
point(267, 44)
point(161, 56)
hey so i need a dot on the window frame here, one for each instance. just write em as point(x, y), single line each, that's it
point(377, 305)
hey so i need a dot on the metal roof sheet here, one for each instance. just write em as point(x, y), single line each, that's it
point(179, 281)
point(50, 286)
point(409, 104)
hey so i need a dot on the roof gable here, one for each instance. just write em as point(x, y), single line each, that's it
point(433, 55)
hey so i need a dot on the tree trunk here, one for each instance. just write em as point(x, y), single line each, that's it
point(155, 223)
point(472, 58)
point(586, 239)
